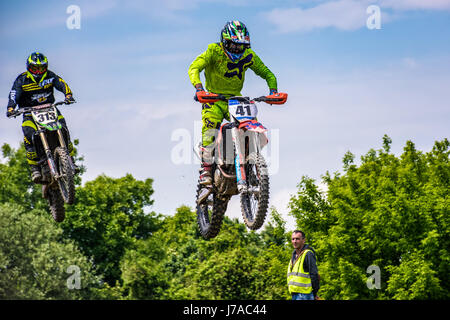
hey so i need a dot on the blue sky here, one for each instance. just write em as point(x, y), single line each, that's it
point(127, 66)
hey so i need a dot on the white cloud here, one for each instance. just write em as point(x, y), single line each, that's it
point(323, 187)
point(234, 209)
point(159, 111)
point(94, 9)
point(409, 62)
point(344, 14)
point(280, 200)
point(416, 4)
point(54, 16)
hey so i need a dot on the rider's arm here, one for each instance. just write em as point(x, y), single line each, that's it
point(61, 85)
point(261, 70)
point(198, 65)
point(310, 265)
point(15, 93)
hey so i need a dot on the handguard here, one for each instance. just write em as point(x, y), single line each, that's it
point(207, 97)
point(276, 98)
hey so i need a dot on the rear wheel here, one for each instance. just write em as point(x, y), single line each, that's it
point(65, 173)
point(255, 202)
point(210, 213)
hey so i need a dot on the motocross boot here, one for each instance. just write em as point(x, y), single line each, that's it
point(206, 154)
point(205, 175)
point(36, 176)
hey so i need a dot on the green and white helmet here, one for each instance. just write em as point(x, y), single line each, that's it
point(235, 38)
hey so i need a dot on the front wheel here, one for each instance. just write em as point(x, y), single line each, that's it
point(56, 204)
point(255, 201)
point(65, 175)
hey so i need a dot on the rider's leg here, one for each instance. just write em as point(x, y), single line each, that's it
point(28, 129)
point(212, 116)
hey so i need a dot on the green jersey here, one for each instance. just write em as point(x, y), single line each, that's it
point(224, 76)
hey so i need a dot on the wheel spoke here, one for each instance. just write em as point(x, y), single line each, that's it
point(254, 203)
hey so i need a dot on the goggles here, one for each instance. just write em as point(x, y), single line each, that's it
point(37, 69)
point(236, 47)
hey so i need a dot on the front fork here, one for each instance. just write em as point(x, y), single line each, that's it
point(48, 152)
point(239, 160)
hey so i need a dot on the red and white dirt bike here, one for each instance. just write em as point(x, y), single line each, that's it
point(239, 167)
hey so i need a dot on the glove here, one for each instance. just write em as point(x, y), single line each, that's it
point(10, 112)
point(69, 99)
point(198, 88)
point(273, 91)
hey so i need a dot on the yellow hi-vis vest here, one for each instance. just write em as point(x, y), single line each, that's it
point(298, 280)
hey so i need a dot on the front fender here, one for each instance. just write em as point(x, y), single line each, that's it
point(255, 126)
point(252, 125)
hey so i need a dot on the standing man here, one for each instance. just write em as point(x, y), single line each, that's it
point(302, 276)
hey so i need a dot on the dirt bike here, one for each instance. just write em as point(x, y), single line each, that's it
point(57, 167)
point(238, 167)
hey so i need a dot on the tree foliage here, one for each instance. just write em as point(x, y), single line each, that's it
point(35, 259)
point(15, 182)
point(389, 211)
point(237, 264)
point(107, 218)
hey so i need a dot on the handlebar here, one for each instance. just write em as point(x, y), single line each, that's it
point(276, 98)
point(38, 107)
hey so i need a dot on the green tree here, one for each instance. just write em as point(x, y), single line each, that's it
point(143, 272)
point(35, 259)
point(237, 264)
point(389, 211)
point(108, 217)
point(15, 183)
point(272, 260)
point(225, 276)
point(274, 231)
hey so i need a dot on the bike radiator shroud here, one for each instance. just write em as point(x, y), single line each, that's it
point(225, 148)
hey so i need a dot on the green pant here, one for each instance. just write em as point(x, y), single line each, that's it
point(29, 129)
point(212, 117)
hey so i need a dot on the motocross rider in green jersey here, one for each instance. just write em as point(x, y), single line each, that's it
point(225, 64)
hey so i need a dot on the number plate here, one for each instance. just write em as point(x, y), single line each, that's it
point(46, 116)
point(242, 111)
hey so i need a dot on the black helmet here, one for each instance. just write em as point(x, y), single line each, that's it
point(37, 65)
